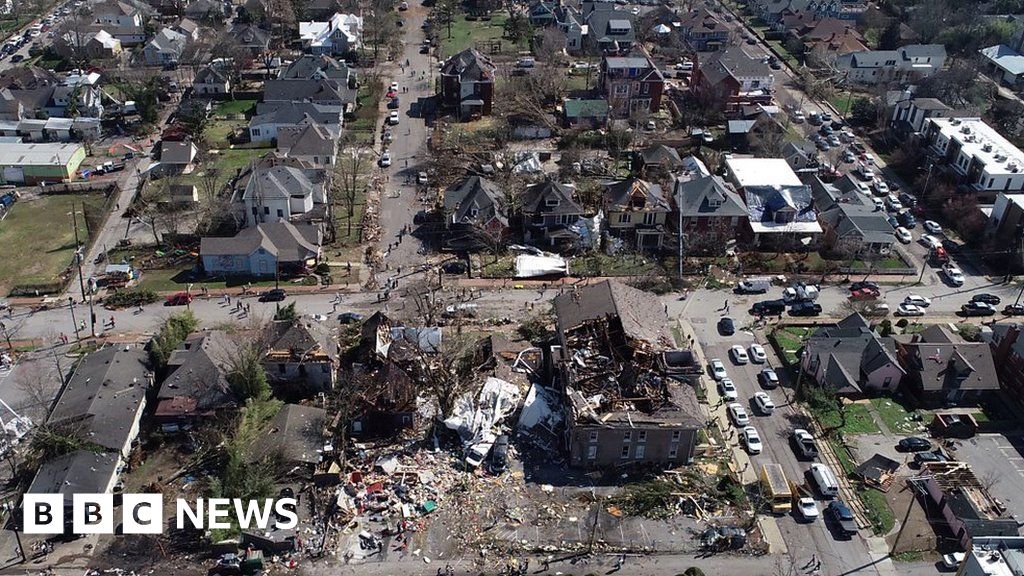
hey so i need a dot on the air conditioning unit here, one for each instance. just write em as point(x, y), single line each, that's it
point(999, 157)
point(1012, 166)
point(955, 121)
point(987, 147)
point(965, 129)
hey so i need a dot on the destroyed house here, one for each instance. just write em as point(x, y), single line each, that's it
point(964, 503)
point(621, 408)
point(300, 357)
point(381, 381)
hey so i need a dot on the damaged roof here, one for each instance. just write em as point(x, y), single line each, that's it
point(641, 313)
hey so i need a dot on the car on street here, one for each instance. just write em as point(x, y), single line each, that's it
point(738, 414)
point(907, 199)
point(757, 354)
point(903, 235)
point(751, 440)
point(178, 299)
point(768, 377)
point(918, 300)
point(17, 58)
point(739, 354)
point(849, 158)
point(866, 173)
point(909, 310)
point(385, 159)
point(907, 219)
point(274, 295)
point(764, 403)
point(977, 309)
point(932, 227)
point(864, 284)
point(393, 87)
point(913, 444)
point(953, 274)
point(843, 517)
point(891, 218)
point(808, 509)
point(930, 242)
point(718, 369)
point(876, 309)
point(805, 309)
point(953, 560)
point(893, 205)
point(924, 457)
point(1014, 310)
point(987, 298)
point(726, 326)
point(421, 178)
point(727, 389)
point(393, 118)
point(768, 308)
point(350, 317)
point(864, 294)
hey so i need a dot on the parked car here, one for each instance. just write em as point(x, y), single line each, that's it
point(953, 274)
point(1014, 310)
point(727, 389)
point(891, 218)
point(178, 299)
point(751, 440)
point(803, 444)
point(987, 298)
point(768, 308)
point(877, 309)
point(953, 560)
point(923, 457)
point(718, 369)
point(930, 242)
point(805, 309)
point(764, 403)
point(907, 219)
point(752, 286)
point(903, 235)
point(385, 159)
point(757, 354)
point(393, 118)
point(913, 444)
point(499, 455)
point(932, 227)
point(864, 284)
point(977, 309)
point(906, 198)
point(768, 378)
point(864, 294)
point(350, 317)
point(739, 354)
point(909, 310)
point(843, 517)
point(808, 509)
point(726, 326)
point(918, 300)
point(738, 414)
point(274, 295)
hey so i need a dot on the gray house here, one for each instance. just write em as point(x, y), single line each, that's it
point(548, 212)
point(264, 250)
point(851, 359)
point(300, 357)
point(475, 213)
point(165, 48)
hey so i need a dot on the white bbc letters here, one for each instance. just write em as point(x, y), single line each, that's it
point(92, 513)
point(43, 513)
point(142, 513)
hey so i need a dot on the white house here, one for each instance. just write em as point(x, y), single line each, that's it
point(165, 48)
point(985, 160)
point(342, 33)
point(906, 64)
point(211, 80)
point(272, 115)
point(280, 193)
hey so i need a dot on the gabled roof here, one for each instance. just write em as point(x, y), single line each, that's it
point(946, 366)
point(661, 155)
point(168, 40)
point(475, 193)
point(733, 63)
point(210, 75)
point(635, 194)
point(284, 335)
point(251, 36)
point(1005, 57)
point(294, 90)
point(278, 182)
point(535, 199)
point(295, 112)
point(308, 139)
point(287, 241)
point(309, 66)
point(186, 26)
point(469, 65)
point(177, 152)
point(707, 196)
point(78, 472)
point(198, 372)
point(104, 395)
point(860, 221)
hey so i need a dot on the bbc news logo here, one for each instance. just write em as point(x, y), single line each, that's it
point(144, 513)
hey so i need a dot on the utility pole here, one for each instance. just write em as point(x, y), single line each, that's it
point(78, 250)
point(7, 336)
point(9, 506)
point(74, 322)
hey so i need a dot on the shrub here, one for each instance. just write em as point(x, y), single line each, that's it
point(130, 298)
point(902, 323)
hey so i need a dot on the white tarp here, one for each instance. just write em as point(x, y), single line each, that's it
point(589, 231)
point(531, 266)
point(537, 410)
point(475, 418)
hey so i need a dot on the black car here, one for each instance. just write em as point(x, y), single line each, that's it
point(17, 58)
point(768, 308)
point(914, 444)
point(727, 326)
point(977, 309)
point(907, 219)
point(908, 200)
point(843, 517)
point(922, 457)
point(1014, 310)
point(499, 455)
point(864, 284)
point(805, 309)
point(350, 317)
point(275, 295)
point(986, 298)
point(455, 267)
point(893, 221)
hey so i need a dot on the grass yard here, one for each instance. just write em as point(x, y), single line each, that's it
point(348, 228)
point(896, 417)
point(235, 107)
point(477, 33)
point(843, 455)
point(503, 268)
point(218, 132)
point(600, 264)
point(858, 420)
point(790, 340)
point(879, 514)
point(227, 163)
point(40, 238)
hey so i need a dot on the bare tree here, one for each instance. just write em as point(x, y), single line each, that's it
point(449, 373)
point(550, 46)
point(346, 183)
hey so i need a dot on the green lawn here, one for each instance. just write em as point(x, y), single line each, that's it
point(504, 267)
point(843, 456)
point(895, 416)
point(858, 420)
point(39, 238)
point(842, 100)
point(791, 339)
point(478, 33)
point(227, 162)
point(600, 264)
point(235, 107)
point(884, 264)
point(879, 514)
point(218, 132)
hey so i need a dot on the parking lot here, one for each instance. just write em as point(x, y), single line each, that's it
point(998, 463)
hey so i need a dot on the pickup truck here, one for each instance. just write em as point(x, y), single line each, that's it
point(800, 293)
point(804, 445)
point(843, 517)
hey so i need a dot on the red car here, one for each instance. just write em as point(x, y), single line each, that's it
point(179, 299)
point(864, 294)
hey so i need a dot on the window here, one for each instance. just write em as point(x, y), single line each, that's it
point(627, 437)
point(255, 131)
point(621, 89)
point(625, 452)
point(647, 88)
point(591, 452)
point(755, 83)
point(280, 213)
point(676, 434)
point(636, 87)
point(473, 212)
point(887, 382)
point(673, 451)
point(551, 202)
point(991, 181)
point(593, 435)
point(325, 368)
point(406, 419)
point(641, 450)
point(280, 368)
point(650, 218)
point(266, 210)
point(641, 436)
point(624, 218)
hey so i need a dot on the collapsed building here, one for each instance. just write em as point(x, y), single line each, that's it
point(622, 406)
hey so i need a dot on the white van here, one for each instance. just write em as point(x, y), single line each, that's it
point(825, 480)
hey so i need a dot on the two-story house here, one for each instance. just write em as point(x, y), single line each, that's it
point(467, 84)
point(277, 192)
point(341, 34)
point(549, 211)
point(909, 116)
point(123, 20)
point(476, 213)
point(708, 213)
point(851, 359)
point(730, 79)
point(632, 85)
point(309, 142)
point(942, 368)
point(300, 357)
point(165, 48)
point(609, 30)
point(703, 31)
point(906, 64)
point(636, 211)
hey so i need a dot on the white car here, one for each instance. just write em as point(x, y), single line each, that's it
point(930, 242)
point(385, 159)
point(918, 300)
point(393, 118)
point(421, 178)
point(393, 87)
point(799, 116)
point(864, 189)
point(727, 389)
point(718, 369)
point(903, 235)
point(882, 187)
point(764, 403)
point(953, 274)
point(932, 227)
point(808, 509)
point(866, 173)
point(952, 561)
point(739, 354)
point(909, 310)
point(757, 354)
point(751, 439)
point(738, 414)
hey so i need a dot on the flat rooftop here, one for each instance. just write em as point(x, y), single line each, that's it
point(37, 154)
point(981, 141)
point(761, 172)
